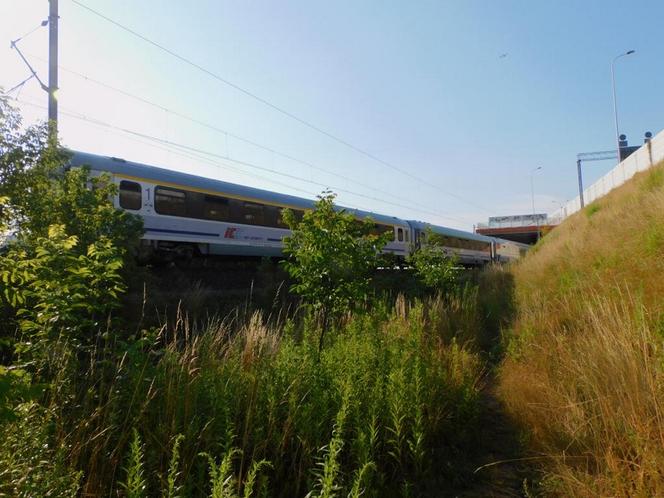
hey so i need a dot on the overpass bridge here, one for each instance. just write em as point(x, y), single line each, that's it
point(524, 228)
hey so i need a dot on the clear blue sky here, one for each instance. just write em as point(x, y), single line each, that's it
point(421, 85)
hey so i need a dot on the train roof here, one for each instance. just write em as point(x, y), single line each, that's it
point(518, 244)
point(156, 174)
point(452, 232)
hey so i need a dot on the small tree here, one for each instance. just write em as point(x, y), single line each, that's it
point(38, 191)
point(433, 266)
point(332, 258)
point(63, 272)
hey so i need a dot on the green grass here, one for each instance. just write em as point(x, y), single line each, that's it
point(251, 409)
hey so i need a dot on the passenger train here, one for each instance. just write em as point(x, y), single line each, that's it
point(186, 215)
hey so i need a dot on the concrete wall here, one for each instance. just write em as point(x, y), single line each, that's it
point(640, 160)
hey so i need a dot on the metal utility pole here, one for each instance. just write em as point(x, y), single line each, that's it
point(53, 71)
point(532, 196)
point(602, 155)
point(578, 169)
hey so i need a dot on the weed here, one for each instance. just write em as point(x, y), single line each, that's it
point(135, 484)
point(592, 209)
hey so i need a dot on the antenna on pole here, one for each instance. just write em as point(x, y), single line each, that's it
point(53, 72)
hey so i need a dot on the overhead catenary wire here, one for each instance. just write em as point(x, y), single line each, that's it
point(227, 134)
point(188, 148)
point(171, 150)
point(16, 87)
point(41, 25)
point(275, 107)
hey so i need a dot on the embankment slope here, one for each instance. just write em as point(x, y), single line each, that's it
point(583, 369)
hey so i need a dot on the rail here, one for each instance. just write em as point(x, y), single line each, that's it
point(644, 158)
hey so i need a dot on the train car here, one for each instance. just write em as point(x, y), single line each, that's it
point(471, 249)
point(186, 215)
point(507, 251)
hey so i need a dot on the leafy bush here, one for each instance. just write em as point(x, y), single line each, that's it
point(38, 190)
point(54, 290)
point(63, 272)
point(332, 258)
point(435, 268)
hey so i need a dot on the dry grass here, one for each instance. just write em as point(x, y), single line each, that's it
point(583, 371)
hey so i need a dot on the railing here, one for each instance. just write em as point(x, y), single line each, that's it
point(514, 223)
point(644, 158)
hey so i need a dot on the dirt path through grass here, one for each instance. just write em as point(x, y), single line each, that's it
point(501, 469)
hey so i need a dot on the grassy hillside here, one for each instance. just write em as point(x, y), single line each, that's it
point(583, 370)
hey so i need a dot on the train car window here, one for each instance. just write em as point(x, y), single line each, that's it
point(407, 234)
point(272, 216)
point(130, 195)
point(378, 229)
point(400, 234)
point(280, 219)
point(216, 208)
point(475, 245)
point(170, 201)
point(236, 210)
point(448, 242)
point(195, 202)
point(253, 213)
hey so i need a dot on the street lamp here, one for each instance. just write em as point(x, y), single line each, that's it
point(532, 195)
point(532, 187)
point(615, 106)
point(561, 208)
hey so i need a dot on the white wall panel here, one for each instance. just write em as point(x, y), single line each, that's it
point(640, 160)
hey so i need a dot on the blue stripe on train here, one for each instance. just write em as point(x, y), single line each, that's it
point(164, 230)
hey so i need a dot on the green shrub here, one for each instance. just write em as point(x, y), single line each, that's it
point(435, 268)
point(332, 258)
point(40, 191)
point(32, 463)
point(54, 290)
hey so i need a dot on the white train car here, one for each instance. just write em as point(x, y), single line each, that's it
point(507, 250)
point(184, 214)
point(469, 248)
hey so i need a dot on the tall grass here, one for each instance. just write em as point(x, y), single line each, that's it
point(583, 372)
point(249, 407)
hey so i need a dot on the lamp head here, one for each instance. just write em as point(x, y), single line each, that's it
point(630, 52)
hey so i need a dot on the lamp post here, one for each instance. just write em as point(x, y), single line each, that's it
point(615, 105)
point(561, 208)
point(532, 194)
